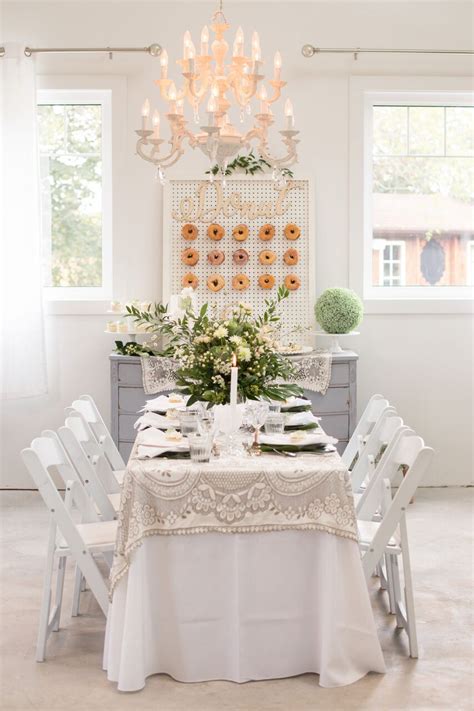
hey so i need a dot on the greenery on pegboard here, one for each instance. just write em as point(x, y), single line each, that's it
point(249, 164)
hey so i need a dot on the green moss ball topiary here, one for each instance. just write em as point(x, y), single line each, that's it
point(338, 310)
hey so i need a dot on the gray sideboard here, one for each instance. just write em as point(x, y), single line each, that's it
point(337, 408)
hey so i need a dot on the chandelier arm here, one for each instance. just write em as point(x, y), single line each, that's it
point(285, 161)
point(277, 87)
point(239, 93)
point(198, 94)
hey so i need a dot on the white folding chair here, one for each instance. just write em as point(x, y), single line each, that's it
point(87, 407)
point(80, 541)
point(382, 433)
point(83, 432)
point(388, 538)
point(373, 411)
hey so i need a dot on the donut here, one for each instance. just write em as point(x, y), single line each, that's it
point(266, 232)
point(292, 282)
point(292, 231)
point(190, 257)
point(240, 233)
point(266, 256)
point(215, 256)
point(215, 282)
point(240, 256)
point(240, 282)
point(291, 256)
point(190, 279)
point(266, 281)
point(215, 232)
point(189, 231)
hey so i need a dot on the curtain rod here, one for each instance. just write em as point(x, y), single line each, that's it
point(153, 49)
point(309, 51)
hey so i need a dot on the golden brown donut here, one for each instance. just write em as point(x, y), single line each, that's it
point(291, 257)
point(240, 233)
point(189, 231)
point(215, 232)
point(215, 282)
point(240, 256)
point(190, 279)
point(240, 282)
point(292, 282)
point(266, 256)
point(292, 231)
point(266, 232)
point(266, 281)
point(190, 257)
point(215, 256)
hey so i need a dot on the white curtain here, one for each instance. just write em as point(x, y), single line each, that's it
point(22, 352)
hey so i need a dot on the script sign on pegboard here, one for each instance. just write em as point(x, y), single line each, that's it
point(239, 242)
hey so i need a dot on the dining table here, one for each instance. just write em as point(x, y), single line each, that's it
point(243, 568)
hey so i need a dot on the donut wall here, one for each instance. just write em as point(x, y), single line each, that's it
point(239, 242)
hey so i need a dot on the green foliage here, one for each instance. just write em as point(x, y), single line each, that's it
point(131, 348)
point(205, 345)
point(70, 145)
point(249, 164)
point(339, 310)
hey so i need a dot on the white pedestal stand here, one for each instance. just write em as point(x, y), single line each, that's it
point(334, 346)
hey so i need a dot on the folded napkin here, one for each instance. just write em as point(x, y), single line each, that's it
point(317, 448)
point(162, 404)
point(154, 419)
point(152, 442)
point(300, 421)
point(283, 440)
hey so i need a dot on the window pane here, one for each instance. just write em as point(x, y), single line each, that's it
point(426, 126)
point(423, 205)
point(390, 130)
point(71, 165)
point(460, 130)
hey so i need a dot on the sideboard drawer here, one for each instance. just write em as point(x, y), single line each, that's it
point(125, 427)
point(336, 425)
point(335, 400)
point(340, 374)
point(131, 399)
point(130, 373)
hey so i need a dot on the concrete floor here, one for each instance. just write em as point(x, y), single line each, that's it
point(440, 527)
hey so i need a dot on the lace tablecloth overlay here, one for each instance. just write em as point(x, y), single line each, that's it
point(313, 372)
point(268, 493)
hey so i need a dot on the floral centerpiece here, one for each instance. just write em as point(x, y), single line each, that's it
point(205, 345)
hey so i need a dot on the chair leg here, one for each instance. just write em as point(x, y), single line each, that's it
point(76, 597)
point(43, 628)
point(59, 591)
point(390, 583)
point(409, 598)
point(397, 592)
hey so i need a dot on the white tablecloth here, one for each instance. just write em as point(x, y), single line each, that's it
point(242, 607)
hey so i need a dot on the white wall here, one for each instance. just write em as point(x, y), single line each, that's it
point(421, 362)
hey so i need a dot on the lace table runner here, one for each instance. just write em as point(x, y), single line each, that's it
point(313, 372)
point(268, 493)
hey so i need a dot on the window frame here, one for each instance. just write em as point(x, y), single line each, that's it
point(366, 92)
point(102, 98)
point(394, 243)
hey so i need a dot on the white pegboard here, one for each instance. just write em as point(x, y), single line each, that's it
point(195, 202)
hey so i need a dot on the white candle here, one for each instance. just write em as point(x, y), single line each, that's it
point(164, 64)
point(234, 378)
point(205, 41)
point(156, 124)
point(145, 114)
point(172, 96)
point(262, 95)
point(277, 67)
point(290, 120)
point(239, 43)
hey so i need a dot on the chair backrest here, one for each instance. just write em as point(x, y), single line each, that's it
point(373, 411)
point(412, 452)
point(38, 458)
point(86, 468)
point(52, 455)
point(379, 437)
point(89, 410)
point(83, 433)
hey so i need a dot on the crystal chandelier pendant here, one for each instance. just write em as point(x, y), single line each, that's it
point(226, 83)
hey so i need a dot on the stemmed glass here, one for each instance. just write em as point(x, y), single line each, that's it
point(256, 412)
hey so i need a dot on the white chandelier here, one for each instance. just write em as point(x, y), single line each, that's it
point(207, 76)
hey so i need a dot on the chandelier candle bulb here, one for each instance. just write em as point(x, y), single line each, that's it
point(277, 66)
point(172, 97)
point(164, 64)
point(239, 43)
point(205, 41)
point(289, 117)
point(145, 114)
point(156, 124)
point(262, 95)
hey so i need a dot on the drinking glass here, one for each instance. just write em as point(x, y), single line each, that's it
point(274, 407)
point(200, 446)
point(275, 423)
point(256, 413)
point(188, 421)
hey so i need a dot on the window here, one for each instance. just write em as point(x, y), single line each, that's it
point(422, 193)
point(470, 262)
point(74, 130)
